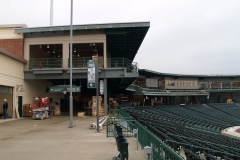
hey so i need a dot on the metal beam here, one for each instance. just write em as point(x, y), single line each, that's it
point(77, 73)
point(83, 27)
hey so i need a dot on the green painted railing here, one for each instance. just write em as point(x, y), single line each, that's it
point(45, 63)
point(122, 63)
point(79, 62)
point(191, 140)
point(145, 138)
point(142, 91)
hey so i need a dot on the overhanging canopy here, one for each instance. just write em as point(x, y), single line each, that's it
point(123, 39)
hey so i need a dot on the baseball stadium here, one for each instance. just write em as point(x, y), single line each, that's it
point(172, 116)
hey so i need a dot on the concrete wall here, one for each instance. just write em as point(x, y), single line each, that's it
point(11, 67)
point(11, 75)
point(8, 33)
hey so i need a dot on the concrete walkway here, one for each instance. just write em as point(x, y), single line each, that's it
point(27, 139)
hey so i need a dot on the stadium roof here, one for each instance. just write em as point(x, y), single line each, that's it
point(123, 39)
point(150, 73)
point(13, 26)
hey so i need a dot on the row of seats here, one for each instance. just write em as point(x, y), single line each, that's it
point(172, 125)
point(228, 108)
point(184, 116)
point(122, 143)
point(214, 113)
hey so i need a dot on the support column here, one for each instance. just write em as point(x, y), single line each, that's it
point(65, 54)
point(105, 97)
point(105, 55)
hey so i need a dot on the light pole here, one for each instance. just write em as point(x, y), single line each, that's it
point(71, 98)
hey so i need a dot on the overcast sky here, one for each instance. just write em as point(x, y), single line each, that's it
point(185, 36)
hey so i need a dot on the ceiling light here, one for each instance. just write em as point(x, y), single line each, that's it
point(47, 46)
point(92, 44)
point(78, 55)
point(74, 49)
point(53, 50)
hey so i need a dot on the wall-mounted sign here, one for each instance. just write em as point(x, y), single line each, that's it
point(101, 89)
point(64, 88)
point(91, 77)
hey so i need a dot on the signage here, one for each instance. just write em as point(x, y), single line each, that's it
point(101, 87)
point(91, 77)
point(64, 88)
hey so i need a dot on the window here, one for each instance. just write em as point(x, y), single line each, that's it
point(152, 82)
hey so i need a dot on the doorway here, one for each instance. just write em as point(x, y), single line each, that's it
point(20, 105)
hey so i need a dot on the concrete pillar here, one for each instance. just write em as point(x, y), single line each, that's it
point(105, 55)
point(65, 54)
point(105, 97)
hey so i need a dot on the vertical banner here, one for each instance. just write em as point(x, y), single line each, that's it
point(91, 79)
point(101, 89)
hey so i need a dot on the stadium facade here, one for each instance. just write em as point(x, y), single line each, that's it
point(37, 59)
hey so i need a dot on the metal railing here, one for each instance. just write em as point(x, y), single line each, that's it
point(141, 91)
point(172, 91)
point(160, 150)
point(122, 63)
point(37, 63)
point(79, 62)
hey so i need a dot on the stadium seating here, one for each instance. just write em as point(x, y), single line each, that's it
point(231, 109)
point(122, 144)
point(194, 127)
point(214, 113)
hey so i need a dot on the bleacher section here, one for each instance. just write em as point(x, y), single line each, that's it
point(231, 109)
point(215, 113)
point(193, 128)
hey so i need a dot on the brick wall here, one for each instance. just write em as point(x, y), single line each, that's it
point(14, 46)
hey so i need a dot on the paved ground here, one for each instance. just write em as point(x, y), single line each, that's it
point(26, 139)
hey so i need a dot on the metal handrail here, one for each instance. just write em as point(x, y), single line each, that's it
point(145, 137)
point(159, 91)
point(203, 141)
point(80, 62)
point(122, 63)
point(38, 63)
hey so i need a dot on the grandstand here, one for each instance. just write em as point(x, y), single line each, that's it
point(195, 116)
point(195, 130)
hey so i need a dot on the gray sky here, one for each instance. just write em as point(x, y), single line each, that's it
point(186, 36)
